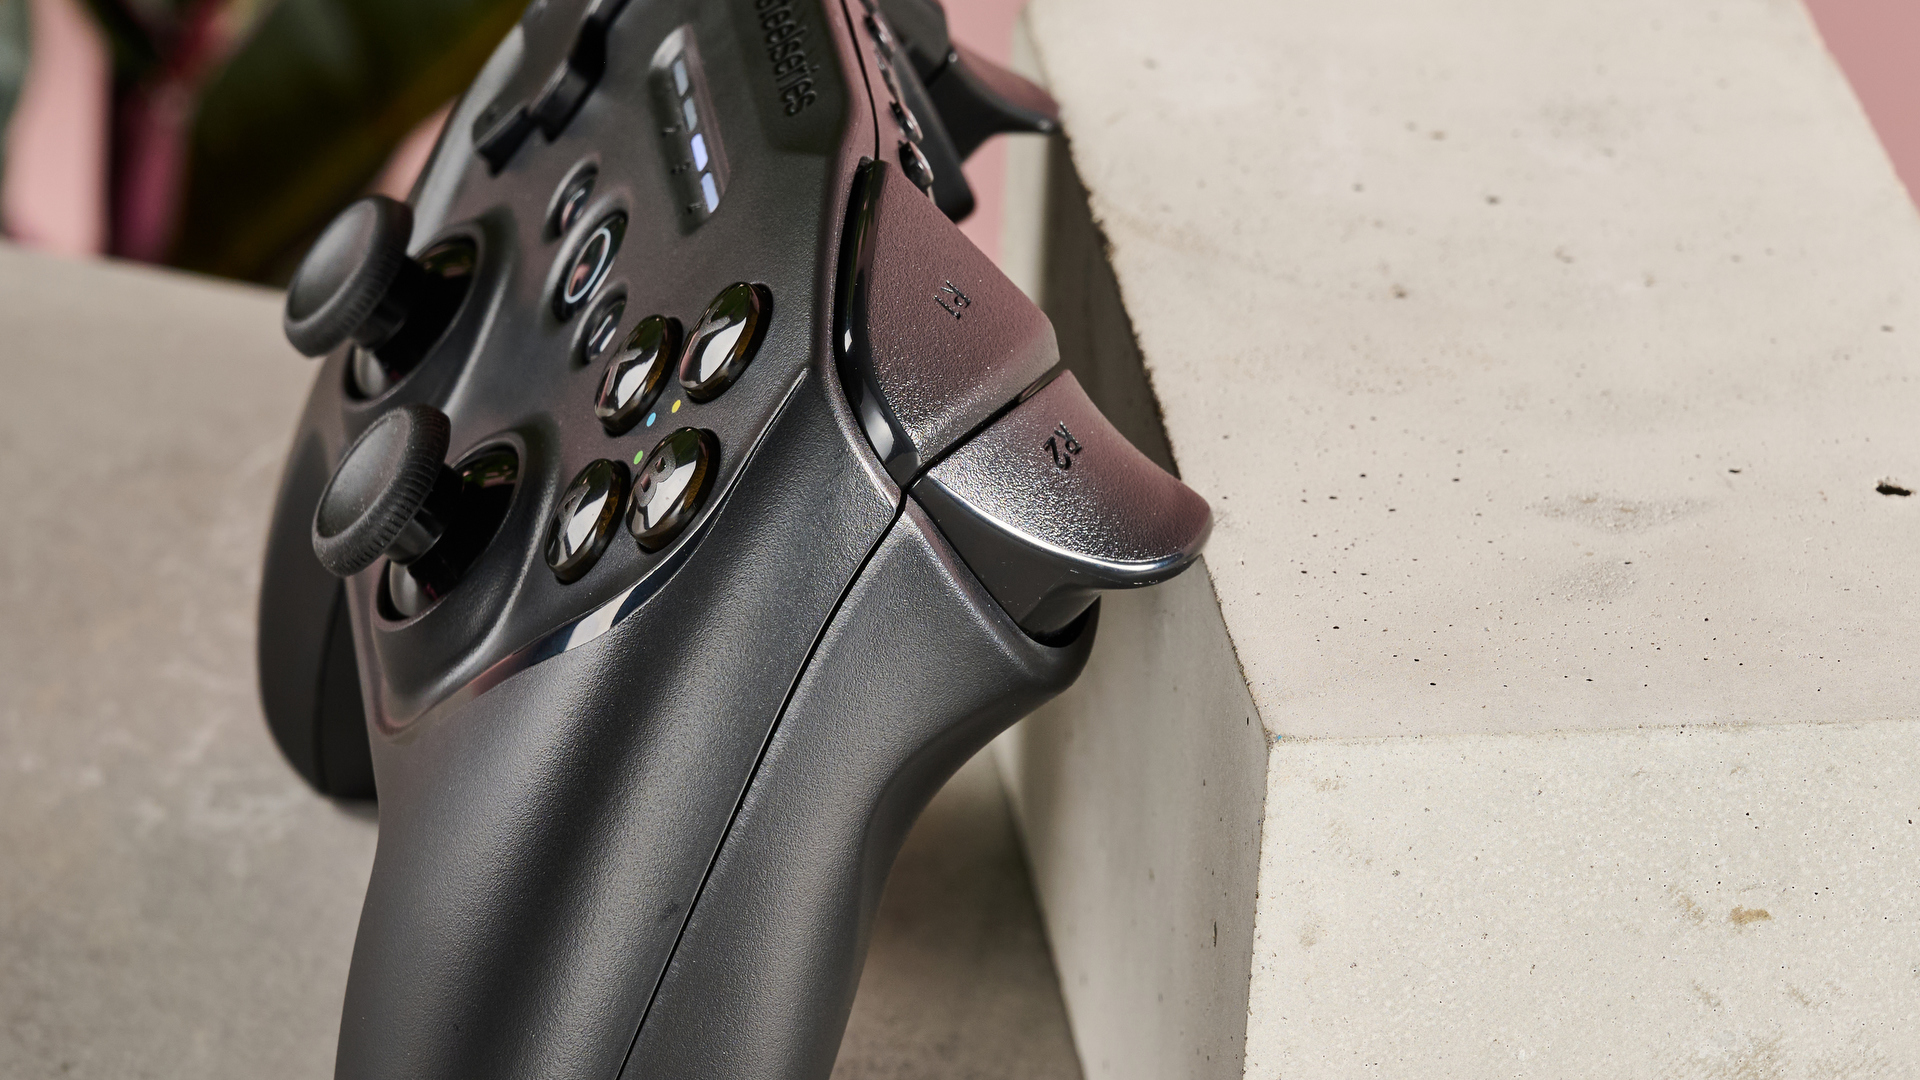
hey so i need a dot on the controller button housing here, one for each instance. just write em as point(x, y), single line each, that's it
point(601, 329)
point(915, 165)
point(569, 200)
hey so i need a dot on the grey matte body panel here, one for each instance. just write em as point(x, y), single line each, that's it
point(919, 670)
point(540, 847)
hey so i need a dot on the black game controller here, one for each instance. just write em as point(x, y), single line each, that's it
point(682, 500)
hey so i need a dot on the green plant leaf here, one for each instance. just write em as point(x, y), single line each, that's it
point(304, 113)
point(16, 37)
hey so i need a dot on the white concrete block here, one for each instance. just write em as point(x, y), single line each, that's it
point(1671, 902)
point(1544, 364)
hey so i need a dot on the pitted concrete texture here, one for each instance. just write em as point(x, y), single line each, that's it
point(958, 984)
point(1541, 361)
point(174, 903)
point(1551, 372)
point(1668, 904)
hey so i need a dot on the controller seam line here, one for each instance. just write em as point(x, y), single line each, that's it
point(759, 760)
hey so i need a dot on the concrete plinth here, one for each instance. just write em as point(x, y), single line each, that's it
point(1545, 708)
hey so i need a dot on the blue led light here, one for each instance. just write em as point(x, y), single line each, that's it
point(650, 418)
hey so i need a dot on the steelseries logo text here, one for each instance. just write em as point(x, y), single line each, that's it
point(785, 38)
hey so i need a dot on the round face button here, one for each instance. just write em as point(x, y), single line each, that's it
point(724, 343)
point(570, 200)
point(587, 269)
point(636, 373)
point(584, 521)
point(916, 167)
point(672, 484)
point(600, 330)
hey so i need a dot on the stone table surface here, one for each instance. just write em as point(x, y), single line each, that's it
point(174, 903)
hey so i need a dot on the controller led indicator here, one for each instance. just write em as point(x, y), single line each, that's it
point(686, 113)
point(676, 407)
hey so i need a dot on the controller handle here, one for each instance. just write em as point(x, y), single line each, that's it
point(357, 282)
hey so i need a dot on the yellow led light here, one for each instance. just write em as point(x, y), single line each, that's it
point(676, 407)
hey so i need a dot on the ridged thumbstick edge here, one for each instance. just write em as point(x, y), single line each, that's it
point(334, 321)
point(362, 542)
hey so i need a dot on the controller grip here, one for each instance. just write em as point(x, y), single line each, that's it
point(309, 679)
point(919, 670)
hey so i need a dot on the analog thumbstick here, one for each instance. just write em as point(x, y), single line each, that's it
point(357, 282)
point(392, 495)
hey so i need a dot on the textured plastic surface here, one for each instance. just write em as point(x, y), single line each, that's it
point(595, 792)
point(918, 671)
point(347, 273)
point(1051, 505)
point(540, 846)
point(933, 338)
point(379, 486)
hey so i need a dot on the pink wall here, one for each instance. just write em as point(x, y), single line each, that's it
point(986, 26)
point(1877, 43)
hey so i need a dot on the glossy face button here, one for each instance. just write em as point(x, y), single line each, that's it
point(585, 520)
point(587, 269)
point(570, 200)
point(909, 123)
point(636, 373)
point(724, 343)
point(916, 167)
point(600, 330)
point(672, 484)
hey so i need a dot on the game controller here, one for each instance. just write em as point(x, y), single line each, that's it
point(681, 500)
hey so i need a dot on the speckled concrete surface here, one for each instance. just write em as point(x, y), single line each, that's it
point(1668, 904)
point(1551, 369)
point(173, 902)
point(1541, 360)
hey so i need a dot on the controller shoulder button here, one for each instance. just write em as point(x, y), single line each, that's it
point(932, 339)
point(1050, 505)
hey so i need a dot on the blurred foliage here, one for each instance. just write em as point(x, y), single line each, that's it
point(240, 127)
point(306, 110)
point(14, 30)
